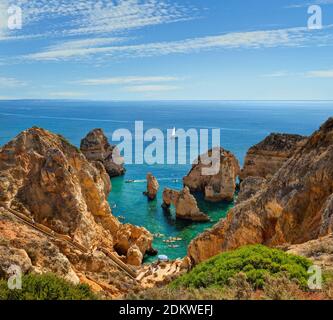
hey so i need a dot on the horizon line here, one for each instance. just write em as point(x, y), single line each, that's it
point(172, 100)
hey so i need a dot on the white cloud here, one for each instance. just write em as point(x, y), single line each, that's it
point(279, 74)
point(307, 4)
point(307, 74)
point(67, 94)
point(320, 74)
point(126, 80)
point(102, 16)
point(85, 43)
point(151, 88)
point(11, 82)
point(292, 37)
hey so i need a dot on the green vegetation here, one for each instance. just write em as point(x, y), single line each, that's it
point(256, 262)
point(46, 287)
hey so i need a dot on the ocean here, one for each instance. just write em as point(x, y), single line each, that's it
point(242, 125)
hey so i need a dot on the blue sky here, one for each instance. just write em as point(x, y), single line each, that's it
point(170, 49)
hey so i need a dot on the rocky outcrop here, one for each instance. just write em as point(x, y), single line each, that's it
point(33, 251)
point(95, 147)
point(295, 207)
point(134, 256)
point(249, 187)
point(220, 183)
point(129, 235)
point(152, 187)
point(267, 157)
point(51, 182)
point(161, 273)
point(320, 251)
point(185, 204)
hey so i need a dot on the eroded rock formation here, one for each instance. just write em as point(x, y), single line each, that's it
point(95, 147)
point(185, 204)
point(218, 185)
point(52, 183)
point(295, 207)
point(152, 187)
point(267, 157)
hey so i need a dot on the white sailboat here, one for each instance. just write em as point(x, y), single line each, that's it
point(173, 134)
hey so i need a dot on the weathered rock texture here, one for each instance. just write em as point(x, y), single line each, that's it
point(320, 251)
point(295, 207)
point(33, 251)
point(95, 147)
point(249, 187)
point(185, 204)
point(268, 156)
point(152, 187)
point(51, 182)
point(220, 185)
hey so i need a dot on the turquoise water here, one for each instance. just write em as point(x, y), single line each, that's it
point(242, 124)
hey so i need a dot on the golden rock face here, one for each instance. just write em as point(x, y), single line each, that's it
point(294, 206)
point(267, 157)
point(51, 182)
point(219, 186)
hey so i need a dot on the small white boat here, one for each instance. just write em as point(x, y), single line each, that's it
point(173, 134)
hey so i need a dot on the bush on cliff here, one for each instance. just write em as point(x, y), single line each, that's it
point(46, 287)
point(256, 262)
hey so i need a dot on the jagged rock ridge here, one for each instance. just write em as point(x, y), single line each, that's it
point(267, 157)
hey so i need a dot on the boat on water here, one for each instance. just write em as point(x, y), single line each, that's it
point(173, 134)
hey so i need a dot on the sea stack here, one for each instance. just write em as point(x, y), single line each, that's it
point(152, 187)
point(221, 184)
point(185, 204)
point(95, 147)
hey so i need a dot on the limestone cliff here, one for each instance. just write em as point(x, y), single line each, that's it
point(220, 185)
point(52, 183)
point(295, 207)
point(185, 204)
point(95, 147)
point(267, 157)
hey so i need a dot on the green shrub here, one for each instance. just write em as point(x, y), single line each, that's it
point(166, 293)
point(256, 262)
point(46, 287)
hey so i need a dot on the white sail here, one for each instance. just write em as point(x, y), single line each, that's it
point(173, 134)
